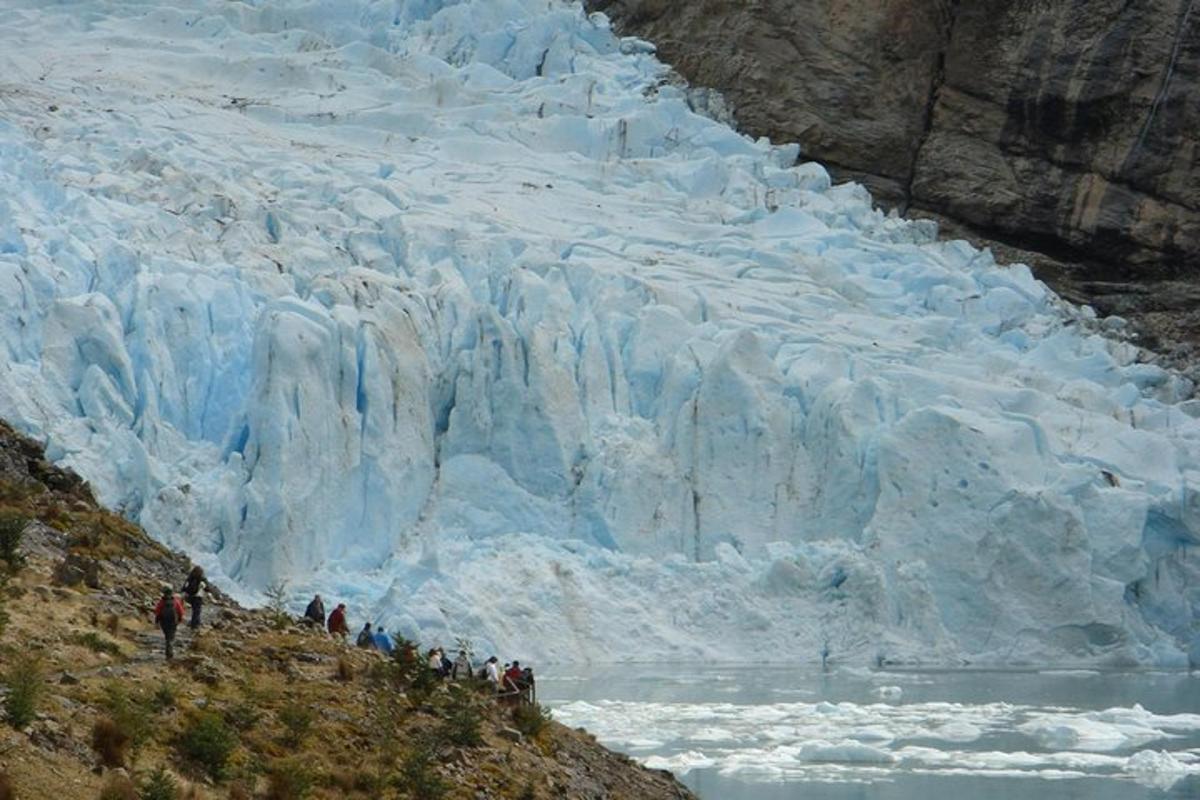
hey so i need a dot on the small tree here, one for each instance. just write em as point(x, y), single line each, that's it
point(531, 719)
point(25, 684)
point(417, 775)
point(463, 718)
point(297, 721)
point(159, 785)
point(277, 604)
point(208, 742)
point(12, 528)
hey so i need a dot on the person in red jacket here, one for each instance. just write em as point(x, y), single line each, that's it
point(337, 622)
point(167, 615)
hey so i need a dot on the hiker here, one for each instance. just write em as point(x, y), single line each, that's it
point(462, 667)
point(383, 642)
point(435, 662)
point(491, 673)
point(512, 677)
point(191, 590)
point(366, 639)
point(316, 611)
point(337, 622)
point(167, 615)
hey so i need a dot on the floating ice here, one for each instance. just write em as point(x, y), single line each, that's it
point(459, 311)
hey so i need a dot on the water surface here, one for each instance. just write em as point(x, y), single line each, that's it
point(734, 733)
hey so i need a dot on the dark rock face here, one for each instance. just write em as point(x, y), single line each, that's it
point(1066, 130)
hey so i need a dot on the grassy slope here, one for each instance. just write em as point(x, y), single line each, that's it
point(365, 735)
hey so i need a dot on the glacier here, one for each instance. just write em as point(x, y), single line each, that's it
point(468, 313)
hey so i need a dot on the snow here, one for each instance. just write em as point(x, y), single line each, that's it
point(458, 311)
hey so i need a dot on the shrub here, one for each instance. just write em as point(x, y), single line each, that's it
point(165, 696)
point(4, 618)
point(208, 742)
point(118, 787)
point(25, 684)
point(531, 718)
point(110, 742)
point(131, 717)
point(297, 723)
point(417, 775)
point(96, 643)
point(12, 528)
point(7, 792)
point(290, 779)
point(159, 785)
point(463, 718)
point(345, 670)
point(112, 624)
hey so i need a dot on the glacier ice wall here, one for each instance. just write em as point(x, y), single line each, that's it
point(461, 311)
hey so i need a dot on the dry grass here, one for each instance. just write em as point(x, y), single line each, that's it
point(110, 743)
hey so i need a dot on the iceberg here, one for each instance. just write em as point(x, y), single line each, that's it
point(469, 314)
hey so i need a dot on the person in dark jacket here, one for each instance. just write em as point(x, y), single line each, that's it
point(337, 622)
point(366, 638)
point(191, 590)
point(167, 615)
point(316, 610)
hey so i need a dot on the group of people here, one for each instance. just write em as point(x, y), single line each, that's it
point(511, 680)
point(168, 613)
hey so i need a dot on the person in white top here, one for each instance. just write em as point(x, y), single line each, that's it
point(492, 673)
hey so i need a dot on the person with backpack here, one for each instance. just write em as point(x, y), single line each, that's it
point(337, 622)
point(191, 590)
point(366, 638)
point(462, 667)
point(167, 615)
point(316, 611)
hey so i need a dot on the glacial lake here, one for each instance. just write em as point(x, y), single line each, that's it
point(769, 733)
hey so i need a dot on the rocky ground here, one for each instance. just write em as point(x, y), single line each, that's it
point(253, 705)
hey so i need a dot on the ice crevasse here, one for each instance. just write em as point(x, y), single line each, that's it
point(467, 313)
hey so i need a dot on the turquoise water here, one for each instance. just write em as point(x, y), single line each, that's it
point(734, 733)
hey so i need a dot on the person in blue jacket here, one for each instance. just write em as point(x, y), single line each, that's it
point(383, 642)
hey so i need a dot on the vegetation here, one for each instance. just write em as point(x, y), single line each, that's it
point(277, 605)
point(297, 721)
point(131, 718)
point(159, 785)
point(417, 775)
point(531, 719)
point(26, 684)
point(118, 787)
point(462, 718)
point(110, 743)
point(208, 742)
point(290, 779)
point(97, 643)
point(12, 528)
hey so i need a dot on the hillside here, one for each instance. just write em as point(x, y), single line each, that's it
point(297, 714)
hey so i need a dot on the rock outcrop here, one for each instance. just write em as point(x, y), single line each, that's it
point(1067, 133)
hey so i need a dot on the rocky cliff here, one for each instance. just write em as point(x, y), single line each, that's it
point(1064, 134)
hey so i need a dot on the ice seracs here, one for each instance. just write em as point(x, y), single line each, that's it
point(460, 311)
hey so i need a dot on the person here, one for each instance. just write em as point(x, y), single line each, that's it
point(383, 642)
point(512, 677)
point(337, 622)
point(492, 673)
point(435, 662)
point(366, 639)
point(462, 667)
point(191, 590)
point(316, 610)
point(167, 615)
